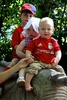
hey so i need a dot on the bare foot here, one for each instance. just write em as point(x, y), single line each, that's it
point(28, 87)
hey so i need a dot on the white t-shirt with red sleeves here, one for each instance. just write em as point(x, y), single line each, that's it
point(44, 49)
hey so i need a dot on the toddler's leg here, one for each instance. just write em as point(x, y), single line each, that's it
point(13, 62)
point(29, 77)
point(22, 72)
point(21, 80)
point(60, 69)
point(30, 72)
point(60, 78)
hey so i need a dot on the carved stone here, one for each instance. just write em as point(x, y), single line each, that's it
point(43, 89)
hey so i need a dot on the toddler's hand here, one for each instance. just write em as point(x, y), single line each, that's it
point(31, 59)
point(54, 61)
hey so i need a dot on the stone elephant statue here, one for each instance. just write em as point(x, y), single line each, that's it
point(43, 89)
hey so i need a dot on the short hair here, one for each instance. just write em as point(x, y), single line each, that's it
point(47, 20)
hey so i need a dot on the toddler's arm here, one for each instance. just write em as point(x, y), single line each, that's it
point(57, 58)
point(29, 55)
point(20, 48)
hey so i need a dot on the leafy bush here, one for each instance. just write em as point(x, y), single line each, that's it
point(56, 9)
point(5, 51)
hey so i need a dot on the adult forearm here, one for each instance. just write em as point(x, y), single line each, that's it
point(21, 64)
point(6, 74)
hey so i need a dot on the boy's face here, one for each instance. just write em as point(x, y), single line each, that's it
point(25, 16)
point(31, 32)
point(46, 30)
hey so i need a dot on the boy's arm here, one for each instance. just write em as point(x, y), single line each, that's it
point(20, 48)
point(57, 58)
point(29, 55)
point(58, 55)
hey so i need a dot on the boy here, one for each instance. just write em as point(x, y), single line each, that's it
point(46, 51)
point(27, 11)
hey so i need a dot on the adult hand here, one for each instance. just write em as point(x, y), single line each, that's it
point(23, 63)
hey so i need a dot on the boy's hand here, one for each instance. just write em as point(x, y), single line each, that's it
point(31, 59)
point(54, 61)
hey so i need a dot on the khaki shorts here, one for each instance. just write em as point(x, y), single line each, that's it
point(37, 65)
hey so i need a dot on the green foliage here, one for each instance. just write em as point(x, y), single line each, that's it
point(5, 51)
point(10, 16)
point(64, 1)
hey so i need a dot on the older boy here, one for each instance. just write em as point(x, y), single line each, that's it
point(27, 11)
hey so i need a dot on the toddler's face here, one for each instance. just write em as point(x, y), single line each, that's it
point(31, 32)
point(46, 30)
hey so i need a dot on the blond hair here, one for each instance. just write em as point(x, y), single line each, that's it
point(46, 20)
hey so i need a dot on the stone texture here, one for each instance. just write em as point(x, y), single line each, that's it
point(43, 89)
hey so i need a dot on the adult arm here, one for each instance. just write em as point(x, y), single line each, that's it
point(6, 74)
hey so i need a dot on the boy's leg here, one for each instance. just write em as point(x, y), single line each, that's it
point(28, 79)
point(12, 63)
point(60, 69)
point(30, 72)
point(60, 77)
point(21, 80)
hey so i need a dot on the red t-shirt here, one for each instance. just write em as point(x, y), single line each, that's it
point(44, 49)
point(17, 37)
